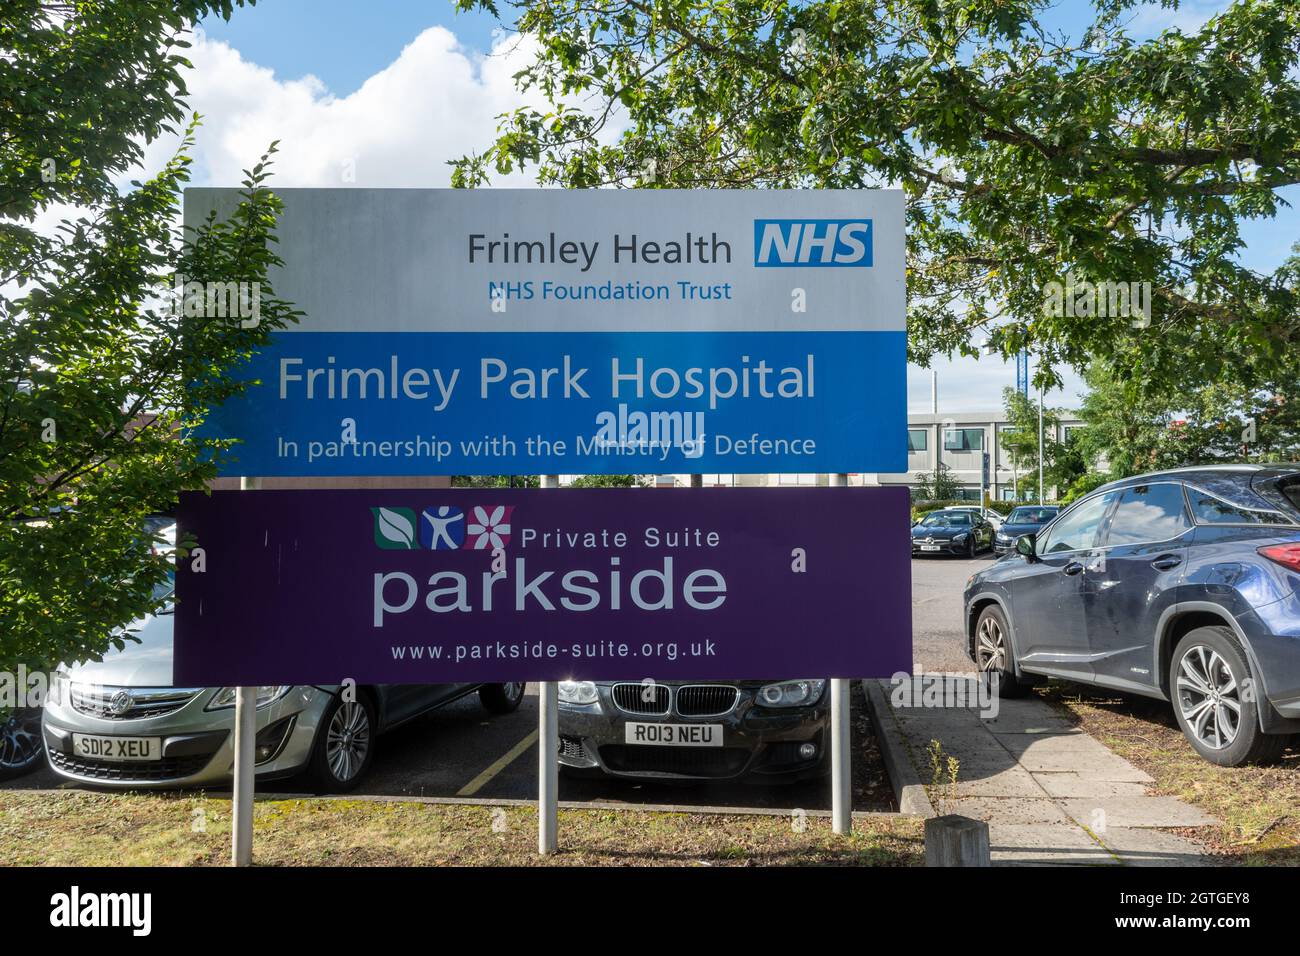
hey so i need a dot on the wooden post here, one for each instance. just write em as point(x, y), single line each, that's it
point(955, 840)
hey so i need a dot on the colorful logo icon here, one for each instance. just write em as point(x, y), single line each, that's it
point(395, 529)
point(442, 528)
point(489, 527)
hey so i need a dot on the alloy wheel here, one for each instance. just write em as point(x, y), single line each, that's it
point(513, 690)
point(1209, 697)
point(20, 739)
point(347, 740)
point(990, 647)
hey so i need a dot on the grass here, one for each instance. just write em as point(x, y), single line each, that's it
point(79, 828)
point(1259, 806)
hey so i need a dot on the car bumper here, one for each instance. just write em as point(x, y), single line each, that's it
point(758, 743)
point(197, 745)
point(1273, 634)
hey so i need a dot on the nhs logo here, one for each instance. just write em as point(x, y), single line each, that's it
point(812, 242)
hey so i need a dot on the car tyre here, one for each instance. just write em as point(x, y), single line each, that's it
point(501, 698)
point(21, 748)
point(344, 745)
point(972, 549)
point(1206, 675)
point(993, 653)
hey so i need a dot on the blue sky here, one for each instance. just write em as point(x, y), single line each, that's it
point(369, 94)
point(342, 42)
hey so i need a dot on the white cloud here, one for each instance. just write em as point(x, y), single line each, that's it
point(434, 103)
point(1188, 17)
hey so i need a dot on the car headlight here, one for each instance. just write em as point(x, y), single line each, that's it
point(578, 692)
point(225, 697)
point(959, 538)
point(1004, 538)
point(791, 693)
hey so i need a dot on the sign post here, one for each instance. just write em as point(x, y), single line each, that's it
point(841, 735)
point(548, 750)
point(241, 796)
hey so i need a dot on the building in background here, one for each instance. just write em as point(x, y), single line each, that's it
point(958, 441)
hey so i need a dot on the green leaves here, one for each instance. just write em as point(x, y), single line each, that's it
point(100, 376)
point(1026, 155)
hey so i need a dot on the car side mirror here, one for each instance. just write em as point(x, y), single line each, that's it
point(1025, 546)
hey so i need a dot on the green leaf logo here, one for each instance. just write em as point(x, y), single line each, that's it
point(395, 529)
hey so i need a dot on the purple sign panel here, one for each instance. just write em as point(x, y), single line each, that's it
point(424, 586)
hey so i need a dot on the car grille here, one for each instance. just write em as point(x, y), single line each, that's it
point(641, 698)
point(169, 768)
point(123, 703)
point(684, 761)
point(706, 700)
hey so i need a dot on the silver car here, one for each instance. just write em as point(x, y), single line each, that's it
point(118, 723)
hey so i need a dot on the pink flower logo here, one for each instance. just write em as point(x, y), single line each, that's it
point(489, 528)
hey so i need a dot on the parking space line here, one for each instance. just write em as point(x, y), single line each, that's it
point(482, 780)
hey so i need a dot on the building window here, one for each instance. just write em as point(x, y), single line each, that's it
point(918, 439)
point(718, 481)
point(810, 479)
point(963, 439)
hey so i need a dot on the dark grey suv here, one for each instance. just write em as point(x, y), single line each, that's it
point(1181, 585)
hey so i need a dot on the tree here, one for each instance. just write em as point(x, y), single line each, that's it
point(937, 486)
point(1020, 439)
point(1028, 157)
point(495, 481)
point(105, 376)
point(1222, 422)
point(606, 481)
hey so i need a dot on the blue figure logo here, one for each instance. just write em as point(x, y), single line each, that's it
point(442, 528)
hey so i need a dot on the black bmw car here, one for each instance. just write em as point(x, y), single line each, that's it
point(952, 531)
point(1026, 519)
point(759, 731)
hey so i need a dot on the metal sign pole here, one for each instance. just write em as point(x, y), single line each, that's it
point(841, 757)
point(241, 797)
point(548, 750)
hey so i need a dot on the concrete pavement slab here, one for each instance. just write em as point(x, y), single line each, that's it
point(1105, 766)
point(1010, 810)
point(1082, 785)
point(1020, 844)
point(1140, 811)
point(1137, 846)
point(1013, 781)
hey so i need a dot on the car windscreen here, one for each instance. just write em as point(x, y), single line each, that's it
point(950, 519)
point(1031, 516)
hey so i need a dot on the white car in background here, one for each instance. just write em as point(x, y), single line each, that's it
point(119, 722)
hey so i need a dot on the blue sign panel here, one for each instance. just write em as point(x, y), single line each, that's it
point(421, 403)
point(577, 332)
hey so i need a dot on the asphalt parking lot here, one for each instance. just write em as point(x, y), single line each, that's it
point(462, 751)
point(937, 586)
